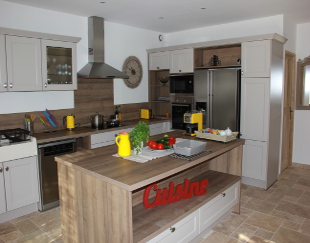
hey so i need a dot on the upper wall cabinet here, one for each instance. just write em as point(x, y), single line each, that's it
point(182, 61)
point(23, 64)
point(159, 60)
point(3, 74)
point(58, 65)
point(31, 61)
point(256, 59)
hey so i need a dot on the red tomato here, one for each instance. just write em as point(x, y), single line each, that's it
point(150, 142)
point(160, 146)
point(153, 145)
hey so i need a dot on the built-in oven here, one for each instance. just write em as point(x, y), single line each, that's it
point(177, 114)
point(49, 194)
point(182, 84)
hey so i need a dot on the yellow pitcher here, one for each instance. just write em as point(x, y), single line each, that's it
point(123, 143)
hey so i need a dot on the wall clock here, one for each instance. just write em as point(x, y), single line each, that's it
point(133, 68)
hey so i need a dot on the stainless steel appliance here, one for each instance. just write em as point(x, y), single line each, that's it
point(182, 83)
point(217, 92)
point(49, 196)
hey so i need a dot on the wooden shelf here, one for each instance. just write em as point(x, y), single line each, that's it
point(217, 67)
point(148, 222)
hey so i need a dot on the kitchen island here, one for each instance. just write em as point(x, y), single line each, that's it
point(101, 196)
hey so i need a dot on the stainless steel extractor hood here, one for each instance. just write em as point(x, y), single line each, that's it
point(96, 68)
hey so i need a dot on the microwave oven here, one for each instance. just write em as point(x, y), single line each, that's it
point(182, 84)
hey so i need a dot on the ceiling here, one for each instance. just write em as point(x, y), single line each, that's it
point(168, 16)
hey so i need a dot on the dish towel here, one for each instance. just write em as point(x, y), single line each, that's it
point(149, 154)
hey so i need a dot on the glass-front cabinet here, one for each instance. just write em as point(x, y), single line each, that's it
point(59, 65)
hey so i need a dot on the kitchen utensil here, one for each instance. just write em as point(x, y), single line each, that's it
point(51, 116)
point(97, 121)
point(69, 122)
point(49, 119)
point(123, 143)
point(45, 120)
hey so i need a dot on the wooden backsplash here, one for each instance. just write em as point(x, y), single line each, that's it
point(93, 95)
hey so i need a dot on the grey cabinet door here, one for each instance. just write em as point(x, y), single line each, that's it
point(23, 63)
point(3, 74)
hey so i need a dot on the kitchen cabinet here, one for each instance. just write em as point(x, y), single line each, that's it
point(19, 183)
point(159, 97)
point(182, 61)
point(58, 65)
point(182, 232)
point(256, 58)
point(159, 60)
point(3, 73)
point(23, 64)
point(255, 97)
point(197, 222)
point(261, 111)
point(255, 155)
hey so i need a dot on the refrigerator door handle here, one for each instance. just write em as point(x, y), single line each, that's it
point(211, 99)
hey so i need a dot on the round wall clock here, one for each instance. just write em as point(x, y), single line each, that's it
point(133, 68)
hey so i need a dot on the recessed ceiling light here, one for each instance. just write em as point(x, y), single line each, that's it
point(161, 17)
point(102, 2)
point(203, 8)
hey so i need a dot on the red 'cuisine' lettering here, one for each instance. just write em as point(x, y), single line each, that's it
point(174, 194)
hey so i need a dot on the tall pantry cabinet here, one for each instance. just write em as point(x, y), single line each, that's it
point(261, 110)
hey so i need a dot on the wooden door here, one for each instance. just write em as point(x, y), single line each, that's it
point(288, 110)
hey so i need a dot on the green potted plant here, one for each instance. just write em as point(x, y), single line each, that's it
point(138, 135)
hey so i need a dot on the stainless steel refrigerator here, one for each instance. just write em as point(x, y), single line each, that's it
point(217, 93)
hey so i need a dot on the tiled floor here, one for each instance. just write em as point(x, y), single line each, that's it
point(280, 214)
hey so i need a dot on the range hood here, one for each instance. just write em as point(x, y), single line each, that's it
point(96, 68)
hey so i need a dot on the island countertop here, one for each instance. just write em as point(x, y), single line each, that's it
point(130, 175)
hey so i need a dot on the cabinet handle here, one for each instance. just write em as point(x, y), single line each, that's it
point(7, 168)
point(5, 85)
point(180, 70)
point(45, 85)
point(11, 85)
point(172, 229)
point(223, 194)
point(157, 67)
point(1, 170)
point(241, 72)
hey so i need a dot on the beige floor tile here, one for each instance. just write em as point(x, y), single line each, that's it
point(244, 232)
point(290, 236)
point(264, 221)
point(284, 182)
point(260, 206)
point(256, 239)
point(230, 224)
point(287, 216)
point(300, 171)
point(6, 228)
point(304, 188)
point(305, 227)
point(12, 236)
point(303, 182)
point(26, 227)
point(27, 216)
point(216, 237)
point(35, 237)
point(263, 234)
point(293, 208)
point(258, 193)
point(245, 211)
point(305, 199)
point(290, 225)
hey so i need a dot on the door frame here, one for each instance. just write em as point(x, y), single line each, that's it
point(288, 97)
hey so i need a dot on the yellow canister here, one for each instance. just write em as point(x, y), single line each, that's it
point(123, 143)
point(69, 121)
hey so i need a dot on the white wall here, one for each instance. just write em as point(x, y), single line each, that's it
point(301, 143)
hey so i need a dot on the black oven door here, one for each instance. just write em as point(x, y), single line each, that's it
point(177, 115)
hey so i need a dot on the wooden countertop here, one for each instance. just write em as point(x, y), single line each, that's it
point(131, 175)
point(86, 131)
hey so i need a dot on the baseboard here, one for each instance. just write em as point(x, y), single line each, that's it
point(18, 212)
point(253, 182)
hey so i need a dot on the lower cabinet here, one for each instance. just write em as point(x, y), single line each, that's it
point(192, 225)
point(254, 160)
point(183, 231)
point(18, 183)
point(108, 138)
